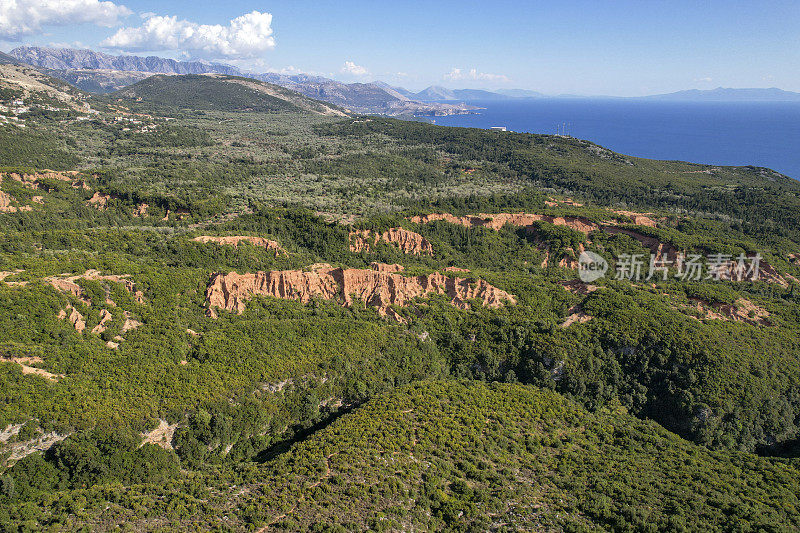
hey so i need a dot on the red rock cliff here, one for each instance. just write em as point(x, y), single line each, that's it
point(409, 242)
point(378, 289)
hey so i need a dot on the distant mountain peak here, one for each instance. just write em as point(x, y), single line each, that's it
point(727, 94)
point(74, 58)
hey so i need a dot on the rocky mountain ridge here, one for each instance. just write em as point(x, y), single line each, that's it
point(70, 58)
point(104, 73)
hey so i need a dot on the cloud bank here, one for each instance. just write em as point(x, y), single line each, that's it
point(354, 70)
point(246, 36)
point(457, 74)
point(19, 18)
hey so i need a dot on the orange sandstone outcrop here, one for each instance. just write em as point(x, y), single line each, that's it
point(640, 219)
point(576, 316)
point(99, 201)
point(409, 242)
point(496, 221)
point(236, 239)
point(7, 273)
point(578, 287)
point(25, 363)
point(105, 316)
point(67, 284)
point(130, 323)
point(661, 251)
point(32, 181)
point(377, 289)
point(5, 204)
point(74, 317)
point(742, 310)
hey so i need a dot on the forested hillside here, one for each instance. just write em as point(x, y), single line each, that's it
point(226, 308)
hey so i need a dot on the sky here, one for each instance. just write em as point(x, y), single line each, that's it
point(620, 48)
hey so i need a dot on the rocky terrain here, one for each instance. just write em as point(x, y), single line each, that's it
point(99, 81)
point(407, 241)
point(376, 287)
point(661, 251)
point(234, 241)
point(61, 59)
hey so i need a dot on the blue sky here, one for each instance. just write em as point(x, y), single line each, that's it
point(580, 47)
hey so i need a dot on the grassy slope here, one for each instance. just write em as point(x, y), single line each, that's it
point(471, 456)
point(639, 350)
point(220, 93)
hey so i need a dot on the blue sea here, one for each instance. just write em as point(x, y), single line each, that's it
point(761, 134)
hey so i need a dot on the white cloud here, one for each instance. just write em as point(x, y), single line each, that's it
point(245, 36)
point(288, 71)
point(354, 70)
point(74, 44)
point(705, 79)
point(26, 17)
point(472, 74)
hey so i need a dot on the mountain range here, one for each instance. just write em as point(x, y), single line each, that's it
point(103, 73)
point(722, 94)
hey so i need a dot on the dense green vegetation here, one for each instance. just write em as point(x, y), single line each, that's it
point(627, 406)
point(193, 92)
point(759, 201)
point(466, 456)
point(18, 148)
point(205, 93)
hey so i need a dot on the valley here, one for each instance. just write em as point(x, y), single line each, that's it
point(227, 306)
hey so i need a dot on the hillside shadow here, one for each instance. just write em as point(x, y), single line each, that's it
point(300, 434)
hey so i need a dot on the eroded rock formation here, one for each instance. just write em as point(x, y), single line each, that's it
point(67, 284)
point(33, 181)
point(129, 323)
point(640, 219)
point(74, 317)
point(99, 201)
point(408, 241)
point(236, 239)
point(105, 317)
point(496, 221)
point(163, 435)
point(7, 273)
point(576, 316)
point(742, 310)
point(378, 289)
point(25, 363)
point(6, 201)
point(662, 251)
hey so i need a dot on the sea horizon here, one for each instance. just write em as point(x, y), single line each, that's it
point(762, 134)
